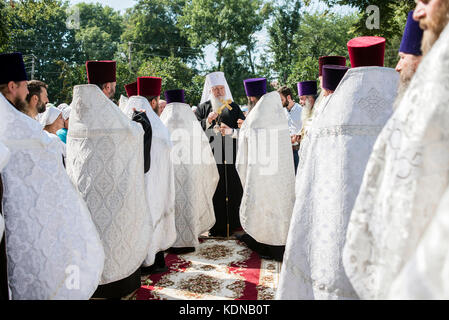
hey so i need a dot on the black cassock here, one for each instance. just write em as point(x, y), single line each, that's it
point(224, 148)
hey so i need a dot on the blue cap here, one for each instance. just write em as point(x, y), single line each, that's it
point(412, 38)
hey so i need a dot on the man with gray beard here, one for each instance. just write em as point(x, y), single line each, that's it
point(217, 110)
point(410, 56)
point(394, 246)
point(307, 91)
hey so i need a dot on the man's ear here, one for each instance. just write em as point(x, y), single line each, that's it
point(11, 86)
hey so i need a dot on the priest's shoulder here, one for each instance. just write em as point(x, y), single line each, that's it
point(234, 105)
point(205, 104)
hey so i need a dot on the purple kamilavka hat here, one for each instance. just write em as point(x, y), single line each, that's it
point(307, 88)
point(412, 38)
point(332, 76)
point(172, 96)
point(255, 87)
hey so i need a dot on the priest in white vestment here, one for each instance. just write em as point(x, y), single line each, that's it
point(341, 140)
point(307, 92)
point(105, 161)
point(53, 249)
point(322, 61)
point(123, 101)
point(196, 174)
point(131, 90)
point(396, 244)
point(315, 109)
point(159, 180)
point(4, 291)
point(265, 166)
point(4, 158)
point(410, 56)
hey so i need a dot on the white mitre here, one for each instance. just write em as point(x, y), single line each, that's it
point(212, 80)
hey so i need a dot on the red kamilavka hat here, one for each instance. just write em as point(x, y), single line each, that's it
point(367, 51)
point(131, 89)
point(100, 72)
point(149, 86)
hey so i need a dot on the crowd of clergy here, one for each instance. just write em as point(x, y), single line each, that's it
point(349, 188)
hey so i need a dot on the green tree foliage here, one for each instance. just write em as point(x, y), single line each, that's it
point(4, 22)
point(168, 38)
point(316, 35)
point(39, 28)
point(175, 74)
point(224, 23)
point(282, 31)
point(69, 76)
point(392, 14)
point(151, 27)
point(236, 70)
point(100, 30)
point(319, 35)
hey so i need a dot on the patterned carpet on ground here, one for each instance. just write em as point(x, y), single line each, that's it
point(217, 270)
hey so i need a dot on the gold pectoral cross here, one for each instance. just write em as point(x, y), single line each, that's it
point(226, 105)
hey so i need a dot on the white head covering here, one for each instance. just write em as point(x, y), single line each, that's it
point(212, 80)
point(66, 112)
point(49, 116)
point(62, 106)
point(123, 102)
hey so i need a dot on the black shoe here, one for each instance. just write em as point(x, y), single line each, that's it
point(265, 257)
point(240, 236)
point(217, 235)
point(181, 250)
point(146, 271)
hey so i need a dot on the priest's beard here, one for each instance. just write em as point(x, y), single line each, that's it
point(216, 102)
point(433, 27)
point(156, 109)
point(252, 104)
point(306, 111)
point(20, 104)
point(112, 94)
point(41, 107)
point(404, 82)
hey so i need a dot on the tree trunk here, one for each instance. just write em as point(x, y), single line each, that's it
point(250, 57)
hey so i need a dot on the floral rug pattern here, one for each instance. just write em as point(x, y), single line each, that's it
point(217, 270)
